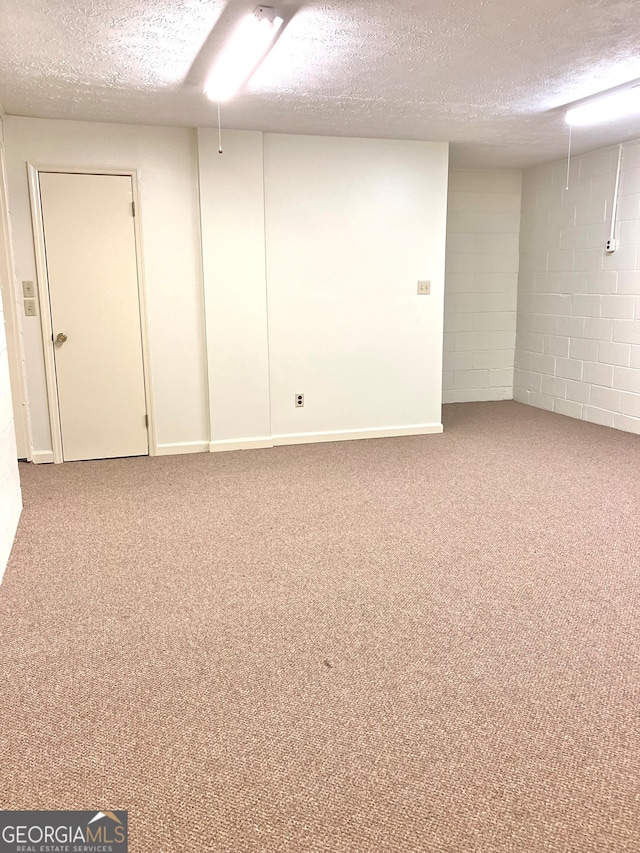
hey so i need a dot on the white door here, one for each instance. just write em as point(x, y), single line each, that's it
point(95, 314)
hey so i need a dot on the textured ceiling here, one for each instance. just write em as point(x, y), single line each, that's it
point(487, 75)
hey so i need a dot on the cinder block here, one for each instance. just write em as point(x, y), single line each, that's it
point(567, 407)
point(630, 404)
point(480, 223)
point(627, 379)
point(597, 374)
point(618, 307)
point(583, 349)
point(624, 258)
point(454, 322)
point(629, 207)
point(529, 381)
point(543, 363)
point(545, 324)
point(498, 243)
point(598, 329)
point(458, 361)
point(541, 401)
point(474, 395)
point(569, 368)
point(493, 360)
point(599, 163)
point(598, 235)
point(471, 379)
point(629, 232)
point(628, 282)
point(574, 238)
point(631, 158)
point(579, 392)
point(460, 243)
point(605, 398)
point(495, 321)
point(597, 416)
point(630, 181)
point(604, 281)
point(553, 386)
point(588, 260)
point(534, 261)
point(588, 305)
point(554, 345)
point(613, 353)
point(592, 213)
point(626, 423)
point(571, 326)
point(626, 331)
point(501, 378)
point(561, 261)
point(479, 302)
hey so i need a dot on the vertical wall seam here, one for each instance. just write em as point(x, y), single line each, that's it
point(266, 284)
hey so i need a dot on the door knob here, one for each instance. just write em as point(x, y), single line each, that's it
point(61, 338)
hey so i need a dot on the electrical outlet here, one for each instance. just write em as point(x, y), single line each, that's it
point(424, 288)
point(28, 290)
point(610, 246)
point(299, 401)
point(30, 308)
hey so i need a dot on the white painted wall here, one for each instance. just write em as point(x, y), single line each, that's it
point(346, 227)
point(10, 495)
point(167, 163)
point(311, 250)
point(351, 226)
point(481, 285)
point(578, 340)
point(233, 252)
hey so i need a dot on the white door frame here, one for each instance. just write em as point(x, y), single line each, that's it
point(15, 353)
point(33, 171)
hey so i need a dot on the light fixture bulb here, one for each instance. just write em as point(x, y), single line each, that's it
point(244, 51)
point(608, 108)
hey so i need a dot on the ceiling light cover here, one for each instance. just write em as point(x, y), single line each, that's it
point(244, 51)
point(609, 108)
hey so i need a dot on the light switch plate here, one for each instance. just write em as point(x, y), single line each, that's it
point(30, 308)
point(28, 290)
point(424, 288)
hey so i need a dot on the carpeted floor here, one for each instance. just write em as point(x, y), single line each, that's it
point(413, 644)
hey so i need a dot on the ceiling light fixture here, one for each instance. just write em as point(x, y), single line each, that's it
point(611, 107)
point(244, 51)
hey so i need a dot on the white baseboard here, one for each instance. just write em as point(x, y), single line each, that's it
point(259, 442)
point(254, 443)
point(355, 434)
point(182, 447)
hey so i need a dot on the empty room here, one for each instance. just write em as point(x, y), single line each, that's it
point(319, 426)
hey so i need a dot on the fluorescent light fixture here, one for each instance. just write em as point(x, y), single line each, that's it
point(608, 108)
point(246, 48)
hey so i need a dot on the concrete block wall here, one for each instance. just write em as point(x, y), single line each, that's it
point(578, 330)
point(481, 284)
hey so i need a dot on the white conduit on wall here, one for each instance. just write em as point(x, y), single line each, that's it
point(611, 242)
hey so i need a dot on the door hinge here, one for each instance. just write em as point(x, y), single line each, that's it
point(146, 421)
point(133, 208)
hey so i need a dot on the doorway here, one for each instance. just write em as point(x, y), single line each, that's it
point(91, 315)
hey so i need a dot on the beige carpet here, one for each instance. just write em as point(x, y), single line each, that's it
point(413, 644)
